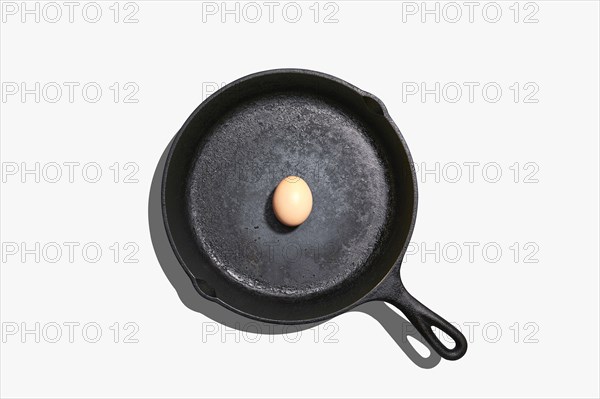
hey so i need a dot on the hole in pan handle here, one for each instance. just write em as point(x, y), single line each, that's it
point(422, 318)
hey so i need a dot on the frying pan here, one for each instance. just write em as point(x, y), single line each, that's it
point(217, 192)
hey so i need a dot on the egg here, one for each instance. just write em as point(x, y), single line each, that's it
point(292, 201)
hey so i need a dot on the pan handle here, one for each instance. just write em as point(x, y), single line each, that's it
point(393, 292)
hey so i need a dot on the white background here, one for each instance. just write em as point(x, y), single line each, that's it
point(171, 55)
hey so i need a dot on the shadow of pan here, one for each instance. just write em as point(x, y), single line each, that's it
point(397, 326)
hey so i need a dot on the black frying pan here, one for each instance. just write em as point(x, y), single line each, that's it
point(217, 190)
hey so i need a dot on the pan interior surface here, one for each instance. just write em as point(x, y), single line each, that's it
point(237, 250)
point(247, 154)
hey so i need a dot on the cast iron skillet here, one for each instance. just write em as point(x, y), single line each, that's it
point(217, 189)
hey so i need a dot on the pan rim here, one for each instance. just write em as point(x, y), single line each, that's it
point(394, 268)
